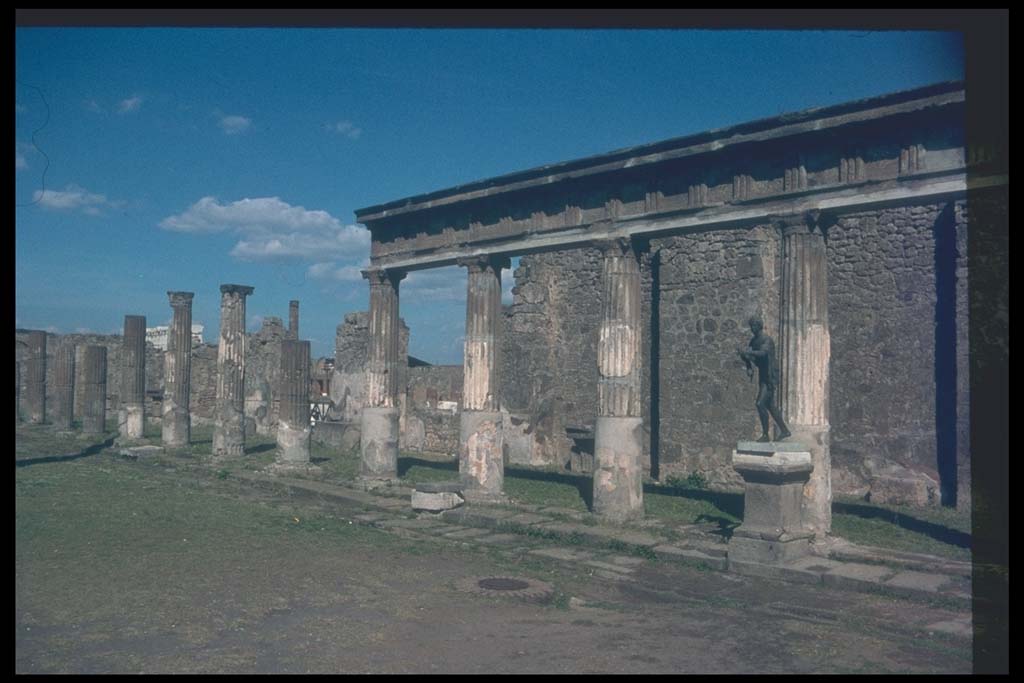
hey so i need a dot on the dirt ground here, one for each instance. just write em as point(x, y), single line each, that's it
point(128, 568)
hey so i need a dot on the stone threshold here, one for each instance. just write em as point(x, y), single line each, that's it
point(524, 527)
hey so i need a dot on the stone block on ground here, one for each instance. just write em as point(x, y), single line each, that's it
point(435, 502)
point(141, 452)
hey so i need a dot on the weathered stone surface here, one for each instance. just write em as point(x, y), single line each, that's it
point(480, 454)
point(35, 377)
point(229, 424)
point(379, 443)
point(293, 319)
point(294, 428)
point(435, 502)
point(176, 425)
point(132, 415)
point(94, 408)
point(618, 478)
point(64, 387)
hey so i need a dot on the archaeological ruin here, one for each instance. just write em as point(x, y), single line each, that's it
point(843, 228)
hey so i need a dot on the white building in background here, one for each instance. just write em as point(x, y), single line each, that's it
point(157, 336)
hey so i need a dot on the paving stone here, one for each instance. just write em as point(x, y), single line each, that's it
point(418, 524)
point(857, 576)
point(614, 576)
point(957, 627)
point(608, 566)
point(689, 556)
point(601, 535)
point(780, 572)
point(466, 532)
point(525, 519)
point(918, 581)
point(625, 561)
point(370, 517)
point(563, 554)
point(499, 539)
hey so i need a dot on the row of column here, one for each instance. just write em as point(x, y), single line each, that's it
point(618, 484)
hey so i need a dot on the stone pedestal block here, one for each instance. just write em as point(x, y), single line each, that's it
point(437, 496)
point(481, 467)
point(35, 379)
point(618, 475)
point(379, 443)
point(775, 474)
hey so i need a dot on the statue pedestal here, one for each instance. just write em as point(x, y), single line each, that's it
point(775, 474)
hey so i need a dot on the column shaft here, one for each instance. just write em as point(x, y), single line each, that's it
point(618, 438)
point(805, 358)
point(64, 387)
point(229, 425)
point(94, 406)
point(35, 380)
point(481, 464)
point(293, 428)
point(132, 419)
point(176, 420)
point(293, 319)
point(379, 431)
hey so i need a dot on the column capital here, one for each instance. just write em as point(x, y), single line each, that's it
point(180, 298)
point(482, 262)
point(802, 223)
point(242, 290)
point(383, 276)
point(615, 246)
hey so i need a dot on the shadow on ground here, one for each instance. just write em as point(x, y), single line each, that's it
point(84, 453)
point(936, 531)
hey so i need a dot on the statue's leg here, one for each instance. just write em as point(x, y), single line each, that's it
point(762, 409)
point(777, 415)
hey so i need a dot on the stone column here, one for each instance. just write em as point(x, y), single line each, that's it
point(35, 380)
point(229, 422)
point(293, 427)
point(481, 466)
point(176, 426)
point(293, 319)
point(132, 417)
point(379, 431)
point(618, 436)
point(94, 404)
point(805, 354)
point(64, 387)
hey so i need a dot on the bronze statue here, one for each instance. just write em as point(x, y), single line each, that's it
point(761, 352)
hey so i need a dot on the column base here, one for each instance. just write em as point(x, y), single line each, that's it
point(293, 445)
point(817, 500)
point(131, 422)
point(775, 475)
point(176, 428)
point(481, 463)
point(229, 433)
point(378, 443)
point(618, 474)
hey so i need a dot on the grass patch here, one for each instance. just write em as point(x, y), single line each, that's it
point(945, 532)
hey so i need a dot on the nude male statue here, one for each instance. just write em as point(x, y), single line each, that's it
point(761, 352)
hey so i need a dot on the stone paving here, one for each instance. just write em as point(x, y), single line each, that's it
point(616, 551)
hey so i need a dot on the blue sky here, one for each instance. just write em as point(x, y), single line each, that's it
point(181, 159)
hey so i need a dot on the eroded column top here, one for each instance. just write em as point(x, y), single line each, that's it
point(180, 298)
point(802, 223)
point(242, 290)
point(615, 246)
point(482, 262)
point(383, 276)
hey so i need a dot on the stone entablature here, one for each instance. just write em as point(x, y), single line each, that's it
point(863, 153)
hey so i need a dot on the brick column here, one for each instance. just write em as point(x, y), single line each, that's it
point(805, 352)
point(293, 319)
point(229, 422)
point(64, 387)
point(94, 376)
point(480, 424)
point(618, 437)
point(132, 416)
point(35, 380)
point(379, 434)
point(293, 427)
point(176, 425)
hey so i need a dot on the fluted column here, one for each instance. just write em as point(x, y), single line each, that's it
point(480, 445)
point(229, 423)
point(379, 434)
point(293, 319)
point(35, 380)
point(132, 416)
point(64, 387)
point(805, 351)
point(618, 437)
point(94, 404)
point(176, 427)
point(293, 427)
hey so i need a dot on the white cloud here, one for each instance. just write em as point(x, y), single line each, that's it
point(233, 125)
point(436, 284)
point(74, 198)
point(329, 271)
point(130, 104)
point(93, 106)
point(19, 161)
point(346, 128)
point(83, 330)
point(271, 229)
point(52, 329)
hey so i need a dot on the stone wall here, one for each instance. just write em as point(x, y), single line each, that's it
point(898, 319)
point(348, 382)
